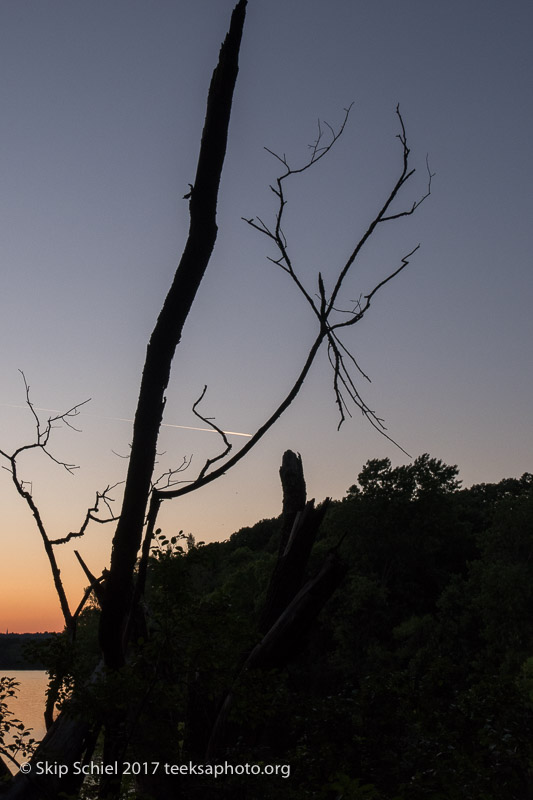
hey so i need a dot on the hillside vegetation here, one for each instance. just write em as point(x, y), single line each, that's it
point(416, 681)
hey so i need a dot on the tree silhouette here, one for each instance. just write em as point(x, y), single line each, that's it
point(122, 617)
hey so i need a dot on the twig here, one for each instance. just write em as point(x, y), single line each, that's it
point(90, 516)
point(209, 421)
point(323, 306)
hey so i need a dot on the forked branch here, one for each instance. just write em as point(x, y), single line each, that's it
point(330, 319)
point(324, 307)
point(43, 431)
point(41, 441)
point(209, 421)
point(102, 498)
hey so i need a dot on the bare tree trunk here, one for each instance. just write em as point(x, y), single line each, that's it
point(290, 609)
point(289, 572)
point(118, 603)
point(279, 644)
point(69, 737)
point(299, 526)
point(163, 342)
point(292, 478)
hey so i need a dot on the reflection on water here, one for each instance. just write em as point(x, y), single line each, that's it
point(28, 705)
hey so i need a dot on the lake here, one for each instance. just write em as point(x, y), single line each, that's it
point(28, 705)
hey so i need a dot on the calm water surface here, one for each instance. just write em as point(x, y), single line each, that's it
point(28, 705)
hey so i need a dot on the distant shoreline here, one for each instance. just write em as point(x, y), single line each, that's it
point(13, 647)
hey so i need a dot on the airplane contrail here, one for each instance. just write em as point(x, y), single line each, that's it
point(123, 419)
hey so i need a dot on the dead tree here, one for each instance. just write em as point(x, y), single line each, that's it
point(292, 478)
point(299, 524)
point(162, 345)
point(142, 498)
point(41, 444)
point(291, 605)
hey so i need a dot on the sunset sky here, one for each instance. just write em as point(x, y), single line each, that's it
point(102, 105)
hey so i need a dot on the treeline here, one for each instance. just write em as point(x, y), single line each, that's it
point(416, 681)
point(16, 650)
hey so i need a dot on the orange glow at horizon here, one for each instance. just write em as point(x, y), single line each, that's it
point(29, 606)
point(31, 622)
point(28, 600)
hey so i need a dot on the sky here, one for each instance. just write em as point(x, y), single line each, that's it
point(103, 103)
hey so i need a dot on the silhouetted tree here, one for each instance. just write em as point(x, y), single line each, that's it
point(121, 615)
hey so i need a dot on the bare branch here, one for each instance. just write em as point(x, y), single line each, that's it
point(363, 308)
point(382, 214)
point(151, 519)
point(166, 480)
point(95, 585)
point(56, 573)
point(87, 593)
point(163, 342)
point(343, 383)
point(324, 308)
point(260, 432)
point(416, 203)
point(101, 497)
point(43, 433)
point(209, 421)
point(317, 152)
point(345, 389)
point(349, 355)
point(42, 438)
point(119, 455)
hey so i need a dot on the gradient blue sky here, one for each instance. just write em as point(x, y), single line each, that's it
point(102, 104)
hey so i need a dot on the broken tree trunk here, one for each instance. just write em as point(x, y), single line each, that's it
point(290, 608)
point(299, 525)
point(289, 572)
point(279, 645)
point(291, 474)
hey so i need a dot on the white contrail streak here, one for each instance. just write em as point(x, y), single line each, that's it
point(123, 419)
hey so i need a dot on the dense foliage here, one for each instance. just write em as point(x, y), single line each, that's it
point(15, 740)
point(416, 682)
